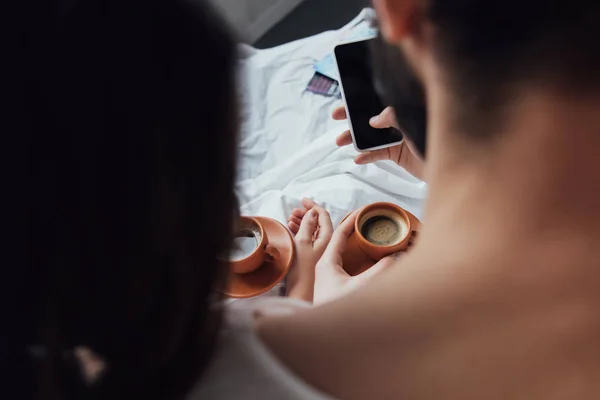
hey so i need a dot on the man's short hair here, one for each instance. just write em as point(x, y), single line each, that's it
point(489, 47)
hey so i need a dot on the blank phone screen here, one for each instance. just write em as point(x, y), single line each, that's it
point(362, 101)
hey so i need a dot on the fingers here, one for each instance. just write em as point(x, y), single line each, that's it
point(308, 203)
point(386, 119)
point(382, 265)
point(344, 139)
point(294, 227)
point(299, 212)
point(295, 220)
point(307, 227)
point(333, 254)
point(372, 156)
point(315, 225)
point(325, 225)
point(339, 113)
point(322, 231)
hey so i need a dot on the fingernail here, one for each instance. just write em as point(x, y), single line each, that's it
point(374, 119)
point(309, 214)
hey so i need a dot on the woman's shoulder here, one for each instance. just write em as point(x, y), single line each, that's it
point(242, 366)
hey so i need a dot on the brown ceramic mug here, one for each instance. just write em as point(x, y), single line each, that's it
point(251, 247)
point(382, 229)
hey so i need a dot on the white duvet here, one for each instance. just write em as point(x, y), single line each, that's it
point(287, 146)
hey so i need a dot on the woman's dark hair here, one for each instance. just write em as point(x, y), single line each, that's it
point(128, 132)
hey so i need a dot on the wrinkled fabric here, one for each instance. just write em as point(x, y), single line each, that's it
point(287, 145)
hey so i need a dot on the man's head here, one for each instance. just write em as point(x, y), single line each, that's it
point(479, 55)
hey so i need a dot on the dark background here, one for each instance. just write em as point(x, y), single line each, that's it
point(312, 17)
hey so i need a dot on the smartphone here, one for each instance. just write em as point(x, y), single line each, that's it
point(399, 87)
point(355, 70)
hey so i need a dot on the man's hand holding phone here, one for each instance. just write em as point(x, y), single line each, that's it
point(403, 154)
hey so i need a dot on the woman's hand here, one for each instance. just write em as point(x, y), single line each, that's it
point(332, 281)
point(403, 154)
point(313, 233)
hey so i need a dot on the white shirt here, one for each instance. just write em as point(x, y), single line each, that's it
point(243, 367)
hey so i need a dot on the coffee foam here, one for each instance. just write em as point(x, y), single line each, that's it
point(247, 239)
point(250, 227)
point(397, 218)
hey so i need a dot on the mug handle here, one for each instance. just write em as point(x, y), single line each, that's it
point(272, 253)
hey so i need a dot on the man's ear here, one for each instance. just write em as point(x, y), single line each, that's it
point(398, 18)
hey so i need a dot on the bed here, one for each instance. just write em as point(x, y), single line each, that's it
point(287, 145)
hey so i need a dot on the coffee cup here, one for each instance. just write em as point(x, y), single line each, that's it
point(382, 229)
point(251, 247)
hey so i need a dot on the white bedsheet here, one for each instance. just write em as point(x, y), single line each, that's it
point(287, 145)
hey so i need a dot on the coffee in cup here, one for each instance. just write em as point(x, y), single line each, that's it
point(250, 247)
point(245, 243)
point(382, 229)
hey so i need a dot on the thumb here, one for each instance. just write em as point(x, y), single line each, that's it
point(308, 226)
point(308, 203)
point(382, 265)
point(387, 119)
